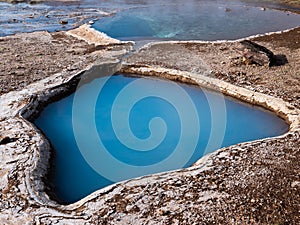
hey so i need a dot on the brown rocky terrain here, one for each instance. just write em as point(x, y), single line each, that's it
point(27, 58)
point(228, 62)
point(249, 183)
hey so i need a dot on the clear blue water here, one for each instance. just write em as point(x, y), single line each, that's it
point(196, 20)
point(119, 127)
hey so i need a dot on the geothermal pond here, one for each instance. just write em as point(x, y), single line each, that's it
point(120, 127)
point(151, 19)
point(195, 20)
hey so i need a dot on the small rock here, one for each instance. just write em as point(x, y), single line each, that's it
point(5, 140)
point(63, 22)
point(295, 184)
point(253, 53)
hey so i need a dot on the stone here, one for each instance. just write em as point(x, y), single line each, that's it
point(5, 140)
point(253, 53)
point(63, 22)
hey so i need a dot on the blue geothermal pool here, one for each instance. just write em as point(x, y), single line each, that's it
point(119, 127)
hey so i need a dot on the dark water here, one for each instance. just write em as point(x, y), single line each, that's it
point(195, 20)
point(119, 127)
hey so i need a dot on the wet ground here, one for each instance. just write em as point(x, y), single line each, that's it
point(16, 18)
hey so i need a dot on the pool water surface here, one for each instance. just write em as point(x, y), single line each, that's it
point(119, 127)
point(195, 20)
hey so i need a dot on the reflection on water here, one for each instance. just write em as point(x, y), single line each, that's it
point(161, 127)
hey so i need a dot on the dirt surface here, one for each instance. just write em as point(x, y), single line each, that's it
point(245, 186)
point(289, 3)
point(253, 183)
point(225, 61)
point(27, 58)
point(262, 188)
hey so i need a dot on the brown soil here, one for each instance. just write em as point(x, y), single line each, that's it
point(259, 182)
point(280, 81)
point(262, 179)
point(226, 62)
point(27, 58)
point(255, 189)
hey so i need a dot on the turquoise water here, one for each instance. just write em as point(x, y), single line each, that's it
point(169, 19)
point(195, 20)
point(120, 127)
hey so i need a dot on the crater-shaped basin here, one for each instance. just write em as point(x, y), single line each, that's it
point(120, 127)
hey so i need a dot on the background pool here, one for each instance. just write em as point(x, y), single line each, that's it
point(195, 20)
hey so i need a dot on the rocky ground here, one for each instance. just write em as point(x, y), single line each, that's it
point(227, 62)
point(32, 57)
point(27, 58)
point(262, 177)
point(291, 3)
point(249, 183)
